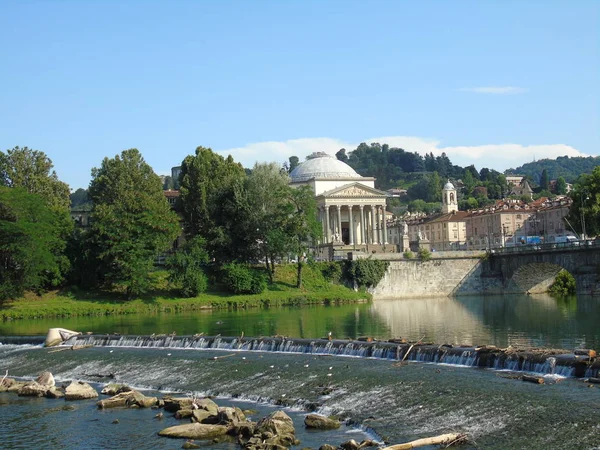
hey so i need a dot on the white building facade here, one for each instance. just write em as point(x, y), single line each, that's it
point(351, 211)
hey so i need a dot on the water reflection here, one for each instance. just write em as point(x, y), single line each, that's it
point(538, 320)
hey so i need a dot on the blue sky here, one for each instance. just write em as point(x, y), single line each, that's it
point(492, 83)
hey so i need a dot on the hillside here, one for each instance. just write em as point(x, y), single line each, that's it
point(563, 166)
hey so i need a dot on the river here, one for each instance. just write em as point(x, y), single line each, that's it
point(378, 398)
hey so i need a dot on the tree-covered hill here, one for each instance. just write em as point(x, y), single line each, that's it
point(563, 166)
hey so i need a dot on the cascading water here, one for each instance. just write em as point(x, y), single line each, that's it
point(542, 362)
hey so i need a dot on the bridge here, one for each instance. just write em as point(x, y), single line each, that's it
point(533, 268)
point(524, 269)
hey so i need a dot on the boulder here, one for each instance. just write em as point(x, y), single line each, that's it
point(184, 413)
point(203, 416)
point(57, 336)
point(46, 378)
point(350, 445)
point(55, 392)
point(128, 400)
point(229, 415)
point(319, 422)
point(278, 423)
point(207, 405)
point(243, 430)
point(194, 431)
point(190, 444)
point(327, 447)
point(78, 390)
point(33, 389)
point(115, 388)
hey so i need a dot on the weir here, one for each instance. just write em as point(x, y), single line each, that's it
point(546, 362)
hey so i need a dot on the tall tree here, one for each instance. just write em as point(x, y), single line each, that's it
point(33, 171)
point(267, 189)
point(302, 225)
point(544, 180)
point(206, 178)
point(132, 222)
point(29, 235)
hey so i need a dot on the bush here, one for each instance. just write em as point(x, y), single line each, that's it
point(365, 272)
point(564, 284)
point(408, 254)
point(424, 254)
point(331, 270)
point(240, 279)
point(193, 283)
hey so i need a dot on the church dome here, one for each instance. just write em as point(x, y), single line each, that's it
point(322, 165)
point(448, 186)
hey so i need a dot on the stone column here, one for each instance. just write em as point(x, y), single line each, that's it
point(385, 241)
point(351, 224)
point(362, 225)
point(378, 228)
point(327, 227)
point(373, 225)
point(339, 221)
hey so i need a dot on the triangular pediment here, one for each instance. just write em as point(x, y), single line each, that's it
point(353, 190)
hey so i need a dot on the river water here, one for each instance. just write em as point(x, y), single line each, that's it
point(394, 403)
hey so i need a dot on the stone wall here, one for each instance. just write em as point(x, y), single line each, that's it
point(437, 277)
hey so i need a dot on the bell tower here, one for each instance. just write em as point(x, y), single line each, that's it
point(449, 200)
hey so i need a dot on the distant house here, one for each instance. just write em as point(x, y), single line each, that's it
point(396, 192)
point(514, 180)
point(521, 189)
point(172, 196)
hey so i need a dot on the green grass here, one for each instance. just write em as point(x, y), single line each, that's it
point(74, 302)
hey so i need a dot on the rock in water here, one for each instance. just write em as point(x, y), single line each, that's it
point(46, 378)
point(115, 388)
point(55, 392)
point(128, 399)
point(319, 422)
point(33, 389)
point(57, 336)
point(194, 431)
point(276, 429)
point(229, 415)
point(78, 390)
point(190, 444)
point(327, 447)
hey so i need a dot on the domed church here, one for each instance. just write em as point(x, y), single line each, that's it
point(351, 210)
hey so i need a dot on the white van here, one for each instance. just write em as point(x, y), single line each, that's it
point(568, 238)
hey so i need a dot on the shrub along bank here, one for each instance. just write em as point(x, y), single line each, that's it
point(321, 285)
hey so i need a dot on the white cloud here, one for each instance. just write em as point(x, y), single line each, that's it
point(497, 90)
point(494, 156)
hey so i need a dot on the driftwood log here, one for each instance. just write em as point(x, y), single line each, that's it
point(533, 379)
point(442, 439)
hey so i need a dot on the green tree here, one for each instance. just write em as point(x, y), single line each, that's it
point(267, 209)
point(132, 222)
point(585, 208)
point(209, 184)
point(341, 155)
point(29, 235)
point(294, 162)
point(544, 180)
point(561, 186)
point(32, 170)
point(303, 227)
point(79, 198)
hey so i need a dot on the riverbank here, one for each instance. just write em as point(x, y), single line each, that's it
point(79, 303)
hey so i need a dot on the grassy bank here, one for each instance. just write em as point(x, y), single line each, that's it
point(73, 302)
